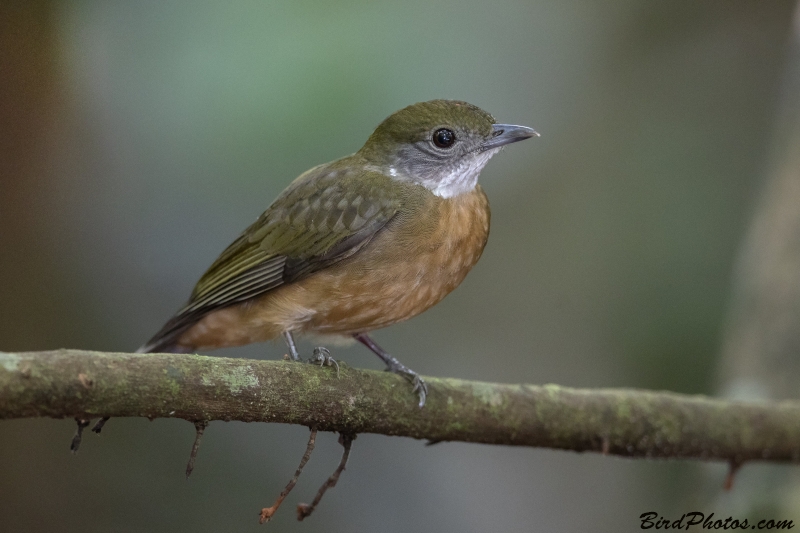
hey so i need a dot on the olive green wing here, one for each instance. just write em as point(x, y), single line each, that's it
point(324, 216)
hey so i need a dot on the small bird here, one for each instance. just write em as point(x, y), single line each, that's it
point(356, 244)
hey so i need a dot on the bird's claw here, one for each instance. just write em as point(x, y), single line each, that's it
point(421, 388)
point(322, 356)
point(419, 385)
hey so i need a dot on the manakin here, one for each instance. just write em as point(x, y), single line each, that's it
point(356, 244)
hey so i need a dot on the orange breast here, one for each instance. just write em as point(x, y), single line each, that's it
point(410, 265)
point(404, 271)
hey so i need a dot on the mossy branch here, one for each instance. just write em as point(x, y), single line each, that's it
point(632, 423)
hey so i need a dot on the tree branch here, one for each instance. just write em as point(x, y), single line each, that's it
point(632, 423)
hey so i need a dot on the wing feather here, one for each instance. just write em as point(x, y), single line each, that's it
point(324, 216)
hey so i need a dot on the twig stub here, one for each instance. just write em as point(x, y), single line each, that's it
point(200, 428)
point(304, 509)
point(76, 440)
point(268, 512)
point(733, 469)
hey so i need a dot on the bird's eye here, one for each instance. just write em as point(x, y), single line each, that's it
point(444, 138)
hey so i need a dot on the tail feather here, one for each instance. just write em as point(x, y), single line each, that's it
point(166, 339)
point(164, 345)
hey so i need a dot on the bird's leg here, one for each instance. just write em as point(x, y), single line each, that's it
point(393, 365)
point(287, 336)
point(321, 354)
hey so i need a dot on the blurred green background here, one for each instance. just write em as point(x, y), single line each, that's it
point(137, 139)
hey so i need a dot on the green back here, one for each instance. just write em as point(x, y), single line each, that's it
point(324, 216)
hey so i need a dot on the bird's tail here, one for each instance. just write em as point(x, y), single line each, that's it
point(164, 347)
point(166, 340)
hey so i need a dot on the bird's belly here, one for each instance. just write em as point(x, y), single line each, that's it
point(379, 298)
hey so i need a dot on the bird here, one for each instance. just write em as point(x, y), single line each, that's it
point(357, 244)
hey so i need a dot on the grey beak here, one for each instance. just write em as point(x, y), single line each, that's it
point(506, 134)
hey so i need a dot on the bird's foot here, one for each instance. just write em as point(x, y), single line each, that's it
point(395, 366)
point(322, 356)
point(420, 387)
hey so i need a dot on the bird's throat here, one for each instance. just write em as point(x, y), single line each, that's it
point(462, 178)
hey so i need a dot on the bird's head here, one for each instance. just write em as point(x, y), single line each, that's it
point(442, 145)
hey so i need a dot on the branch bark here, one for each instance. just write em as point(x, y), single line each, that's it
point(631, 423)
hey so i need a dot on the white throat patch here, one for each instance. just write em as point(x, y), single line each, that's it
point(464, 177)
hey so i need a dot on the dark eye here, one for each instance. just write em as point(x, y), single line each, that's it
point(444, 138)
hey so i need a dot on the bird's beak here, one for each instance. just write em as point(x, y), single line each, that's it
point(504, 134)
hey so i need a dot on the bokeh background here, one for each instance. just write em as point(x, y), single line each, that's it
point(137, 139)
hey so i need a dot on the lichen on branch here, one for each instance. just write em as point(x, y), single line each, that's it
point(634, 423)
